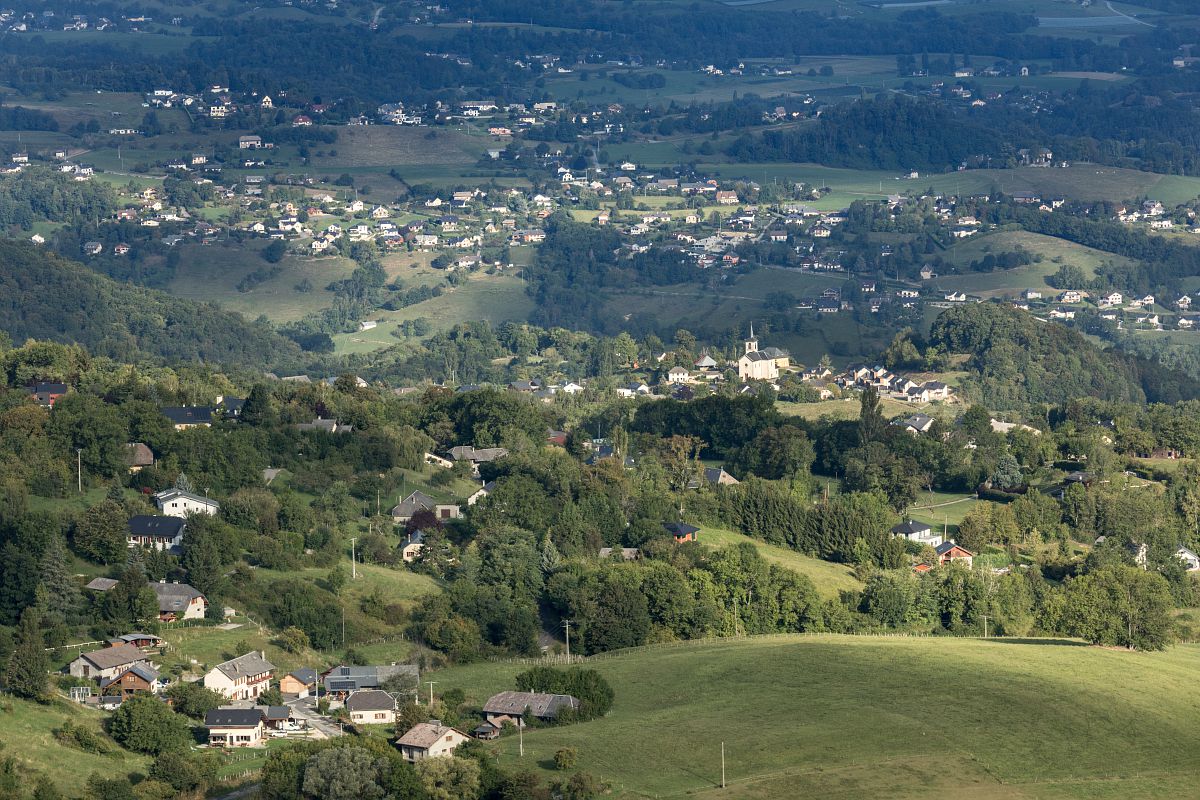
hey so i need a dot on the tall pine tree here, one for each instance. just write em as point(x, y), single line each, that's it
point(63, 598)
point(29, 663)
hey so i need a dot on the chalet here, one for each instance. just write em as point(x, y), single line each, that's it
point(481, 492)
point(108, 663)
point(1191, 561)
point(157, 533)
point(476, 455)
point(136, 679)
point(419, 501)
point(179, 503)
point(47, 392)
point(250, 142)
point(137, 639)
point(917, 532)
point(429, 740)
point(511, 707)
point(299, 683)
point(343, 680)
point(411, 547)
point(682, 532)
point(242, 678)
point(916, 423)
point(727, 198)
point(949, 552)
point(178, 601)
point(717, 476)
point(371, 707)
point(184, 417)
point(235, 727)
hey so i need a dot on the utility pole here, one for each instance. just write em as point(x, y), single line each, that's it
point(79, 467)
point(567, 625)
point(353, 563)
point(431, 683)
point(343, 623)
point(985, 619)
point(722, 765)
point(521, 737)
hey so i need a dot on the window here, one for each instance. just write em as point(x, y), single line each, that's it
point(381, 716)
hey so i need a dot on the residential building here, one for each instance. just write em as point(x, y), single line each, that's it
point(511, 707)
point(682, 532)
point(107, 663)
point(178, 503)
point(242, 678)
point(136, 679)
point(158, 533)
point(430, 740)
point(416, 502)
point(371, 707)
point(178, 601)
point(299, 683)
point(184, 417)
point(917, 532)
point(342, 680)
point(949, 552)
point(235, 727)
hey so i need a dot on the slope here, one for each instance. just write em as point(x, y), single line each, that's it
point(849, 717)
point(44, 296)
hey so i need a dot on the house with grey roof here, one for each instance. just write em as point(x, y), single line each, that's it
point(107, 663)
point(343, 680)
point(178, 601)
point(242, 678)
point(512, 707)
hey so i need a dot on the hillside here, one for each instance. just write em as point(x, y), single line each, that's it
point(845, 717)
point(44, 296)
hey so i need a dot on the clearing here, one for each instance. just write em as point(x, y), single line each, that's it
point(827, 577)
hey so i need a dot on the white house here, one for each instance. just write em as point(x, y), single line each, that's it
point(178, 503)
point(371, 707)
point(235, 727)
point(242, 678)
point(430, 740)
point(1191, 561)
point(917, 532)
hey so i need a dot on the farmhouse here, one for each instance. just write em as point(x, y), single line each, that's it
point(511, 707)
point(416, 502)
point(178, 601)
point(682, 532)
point(46, 392)
point(241, 678)
point(371, 707)
point(108, 663)
point(429, 740)
point(949, 552)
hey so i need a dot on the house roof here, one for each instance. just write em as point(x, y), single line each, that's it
point(138, 454)
point(347, 679)
point(426, 734)
point(370, 700)
point(417, 501)
point(111, 657)
point(306, 676)
point(479, 454)
point(246, 666)
point(137, 636)
point(910, 527)
point(274, 712)
point(233, 718)
point(680, 528)
point(163, 527)
point(170, 494)
point(174, 596)
point(143, 671)
point(946, 547)
point(716, 474)
point(188, 415)
point(101, 584)
point(539, 704)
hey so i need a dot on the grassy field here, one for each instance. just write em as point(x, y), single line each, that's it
point(496, 298)
point(848, 408)
point(849, 717)
point(1049, 253)
point(829, 578)
point(212, 274)
point(26, 734)
point(942, 508)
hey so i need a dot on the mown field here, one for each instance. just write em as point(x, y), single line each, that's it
point(828, 578)
point(853, 717)
point(1049, 255)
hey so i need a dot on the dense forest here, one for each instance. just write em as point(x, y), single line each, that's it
point(44, 296)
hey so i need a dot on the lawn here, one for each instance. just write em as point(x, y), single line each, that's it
point(942, 508)
point(26, 734)
point(850, 717)
point(829, 578)
point(848, 408)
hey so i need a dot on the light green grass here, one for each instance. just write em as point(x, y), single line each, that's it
point(1049, 255)
point(828, 578)
point(212, 274)
point(496, 298)
point(854, 717)
point(26, 733)
point(847, 408)
point(942, 508)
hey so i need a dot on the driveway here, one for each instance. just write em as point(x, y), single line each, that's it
point(306, 709)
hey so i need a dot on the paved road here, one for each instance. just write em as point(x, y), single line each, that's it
point(306, 709)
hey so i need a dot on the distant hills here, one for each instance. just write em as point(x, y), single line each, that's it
point(45, 296)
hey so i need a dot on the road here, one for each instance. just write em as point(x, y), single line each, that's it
point(306, 709)
point(1126, 16)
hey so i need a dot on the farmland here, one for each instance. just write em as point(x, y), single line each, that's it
point(1049, 254)
point(843, 717)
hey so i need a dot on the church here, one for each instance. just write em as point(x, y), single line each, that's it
point(761, 365)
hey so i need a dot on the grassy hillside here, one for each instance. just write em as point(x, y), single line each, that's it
point(829, 578)
point(846, 717)
point(1049, 254)
point(26, 733)
point(43, 296)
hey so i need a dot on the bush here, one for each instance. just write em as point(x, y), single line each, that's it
point(565, 757)
point(586, 685)
point(84, 738)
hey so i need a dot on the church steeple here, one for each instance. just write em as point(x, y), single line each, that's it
point(752, 342)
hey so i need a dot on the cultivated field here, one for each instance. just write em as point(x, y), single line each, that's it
point(853, 717)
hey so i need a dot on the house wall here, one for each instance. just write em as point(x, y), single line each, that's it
point(289, 685)
point(181, 507)
point(373, 717)
point(82, 668)
point(236, 737)
point(242, 689)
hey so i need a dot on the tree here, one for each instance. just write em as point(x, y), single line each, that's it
point(183, 772)
point(145, 725)
point(1007, 474)
point(131, 603)
point(1121, 606)
point(192, 699)
point(274, 252)
point(62, 592)
point(344, 773)
point(449, 778)
point(258, 409)
point(100, 533)
point(29, 663)
point(293, 640)
point(566, 758)
point(870, 417)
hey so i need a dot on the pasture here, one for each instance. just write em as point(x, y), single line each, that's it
point(1049, 254)
point(849, 717)
point(828, 578)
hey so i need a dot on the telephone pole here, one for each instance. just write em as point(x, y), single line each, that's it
point(521, 736)
point(985, 619)
point(722, 765)
point(567, 626)
point(431, 683)
point(353, 563)
point(79, 467)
